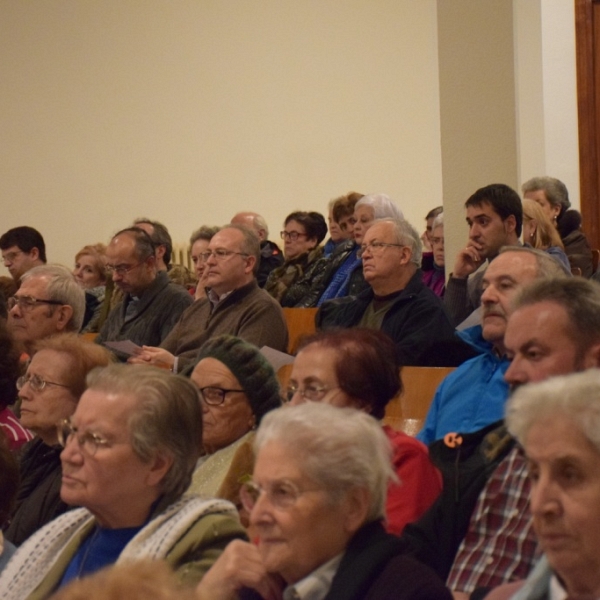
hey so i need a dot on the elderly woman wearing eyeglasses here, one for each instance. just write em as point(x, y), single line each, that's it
point(237, 388)
point(316, 503)
point(302, 233)
point(49, 392)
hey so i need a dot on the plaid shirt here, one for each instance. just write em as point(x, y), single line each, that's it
point(500, 545)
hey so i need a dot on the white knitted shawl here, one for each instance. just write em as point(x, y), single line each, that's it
point(36, 556)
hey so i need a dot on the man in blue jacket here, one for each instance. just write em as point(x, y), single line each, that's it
point(473, 396)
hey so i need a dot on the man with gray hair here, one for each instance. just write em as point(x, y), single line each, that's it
point(49, 301)
point(271, 255)
point(478, 533)
point(474, 395)
point(397, 302)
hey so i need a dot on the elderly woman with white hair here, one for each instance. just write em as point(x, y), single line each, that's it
point(558, 424)
point(316, 502)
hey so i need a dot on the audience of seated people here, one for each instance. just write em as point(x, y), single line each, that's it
point(90, 273)
point(159, 465)
point(316, 503)
point(552, 195)
point(433, 262)
point(357, 368)
point(474, 395)
point(539, 232)
point(302, 234)
point(478, 534)
point(49, 392)
point(235, 305)
point(237, 388)
point(397, 301)
point(130, 449)
point(495, 218)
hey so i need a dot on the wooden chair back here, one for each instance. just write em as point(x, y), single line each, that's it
point(407, 411)
point(300, 321)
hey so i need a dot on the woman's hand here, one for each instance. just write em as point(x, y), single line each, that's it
point(239, 566)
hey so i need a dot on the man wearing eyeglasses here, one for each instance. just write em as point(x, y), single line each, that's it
point(48, 302)
point(22, 249)
point(234, 304)
point(397, 302)
point(152, 304)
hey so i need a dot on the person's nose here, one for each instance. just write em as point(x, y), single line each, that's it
point(515, 374)
point(489, 295)
point(474, 231)
point(71, 453)
point(544, 500)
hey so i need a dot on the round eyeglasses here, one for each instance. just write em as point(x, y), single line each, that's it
point(280, 494)
point(310, 392)
point(89, 442)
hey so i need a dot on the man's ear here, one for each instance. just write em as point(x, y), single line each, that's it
point(510, 224)
point(64, 313)
point(159, 467)
point(250, 262)
point(405, 255)
point(591, 359)
point(34, 253)
point(160, 251)
point(356, 506)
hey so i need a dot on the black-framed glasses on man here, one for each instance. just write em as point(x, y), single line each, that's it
point(219, 254)
point(29, 302)
point(376, 248)
point(214, 396)
point(36, 383)
point(291, 235)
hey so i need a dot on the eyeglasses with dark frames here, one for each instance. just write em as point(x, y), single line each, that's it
point(27, 303)
point(10, 256)
point(215, 396)
point(291, 235)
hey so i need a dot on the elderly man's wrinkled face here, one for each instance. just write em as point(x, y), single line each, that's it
point(505, 276)
point(565, 500)
point(105, 475)
point(231, 269)
point(226, 415)
point(19, 262)
point(45, 399)
point(29, 322)
point(295, 540)
point(537, 341)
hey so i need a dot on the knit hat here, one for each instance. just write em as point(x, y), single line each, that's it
point(254, 372)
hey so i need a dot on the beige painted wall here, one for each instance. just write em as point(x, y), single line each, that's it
point(190, 110)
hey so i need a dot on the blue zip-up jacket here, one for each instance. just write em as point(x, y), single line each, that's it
point(471, 397)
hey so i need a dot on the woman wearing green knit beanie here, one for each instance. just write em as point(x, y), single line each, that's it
point(237, 386)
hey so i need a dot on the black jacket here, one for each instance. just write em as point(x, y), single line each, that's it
point(38, 498)
point(435, 538)
point(416, 322)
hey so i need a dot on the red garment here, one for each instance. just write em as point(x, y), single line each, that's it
point(14, 432)
point(420, 481)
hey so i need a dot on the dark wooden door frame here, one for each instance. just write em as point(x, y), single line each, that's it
point(587, 34)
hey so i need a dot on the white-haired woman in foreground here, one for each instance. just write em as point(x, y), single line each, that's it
point(558, 424)
point(316, 506)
